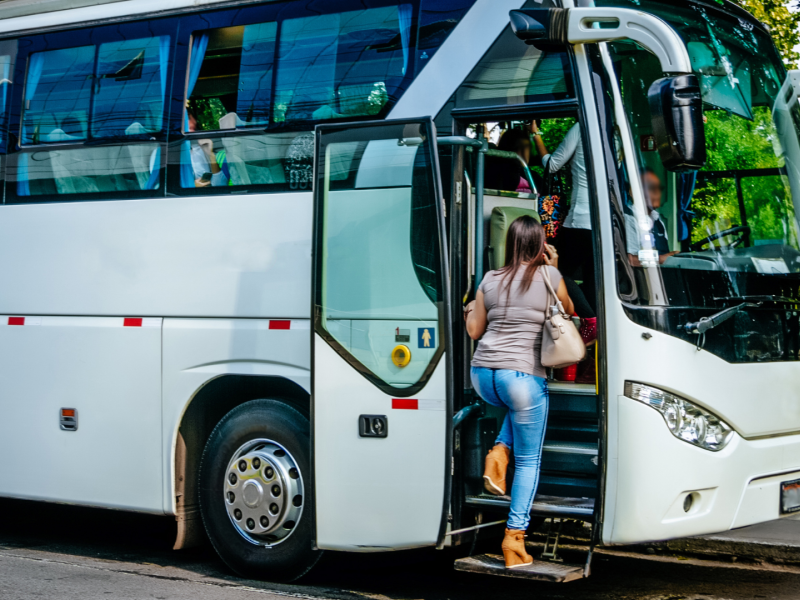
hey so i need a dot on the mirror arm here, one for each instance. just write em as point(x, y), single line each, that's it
point(647, 30)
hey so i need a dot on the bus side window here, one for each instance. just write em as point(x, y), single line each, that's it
point(91, 119)
point(346, 65)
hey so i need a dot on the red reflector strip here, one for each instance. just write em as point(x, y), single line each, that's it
point(16, 320)
point(280, 324)
point(67, 412)
point(405, 403)
point(131, 322)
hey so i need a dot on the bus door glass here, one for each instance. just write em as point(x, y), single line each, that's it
point(380, 398)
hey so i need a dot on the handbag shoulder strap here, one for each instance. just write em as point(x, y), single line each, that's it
point(551, 291)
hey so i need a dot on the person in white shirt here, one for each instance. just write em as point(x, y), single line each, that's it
point(204, 160)
point(574, 239)
point(653, 190)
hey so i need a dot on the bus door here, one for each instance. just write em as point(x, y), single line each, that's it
point(380, 376)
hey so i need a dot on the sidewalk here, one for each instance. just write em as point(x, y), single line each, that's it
point(774, 542)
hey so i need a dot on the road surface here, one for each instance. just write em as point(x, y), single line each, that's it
point(49, 551)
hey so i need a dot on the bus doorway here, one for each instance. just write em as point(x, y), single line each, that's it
point(532, 166)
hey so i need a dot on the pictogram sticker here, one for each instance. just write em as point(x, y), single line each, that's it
point(427, 337)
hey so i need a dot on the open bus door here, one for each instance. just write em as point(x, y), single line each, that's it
point(381, 380)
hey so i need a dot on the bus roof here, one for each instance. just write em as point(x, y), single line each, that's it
point(27, 15)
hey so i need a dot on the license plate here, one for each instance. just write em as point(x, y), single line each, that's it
point(790, 496)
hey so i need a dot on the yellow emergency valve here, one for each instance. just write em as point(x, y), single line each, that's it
point(401, 355)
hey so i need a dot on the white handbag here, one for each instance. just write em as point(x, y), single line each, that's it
point(562, 344)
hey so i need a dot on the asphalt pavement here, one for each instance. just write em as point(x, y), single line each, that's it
point(52, 551)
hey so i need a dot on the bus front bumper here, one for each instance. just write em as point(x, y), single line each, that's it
point(659, 487)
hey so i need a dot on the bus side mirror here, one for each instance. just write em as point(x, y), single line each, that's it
point(543, 28)
point(676, 107)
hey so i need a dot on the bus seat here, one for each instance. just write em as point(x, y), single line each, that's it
point(246, 155)
point(135, 129)
point(502, 217)
point(231, 121)
point(141, 159)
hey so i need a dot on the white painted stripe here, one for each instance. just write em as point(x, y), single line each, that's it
point(304, 324)
point(430, 404)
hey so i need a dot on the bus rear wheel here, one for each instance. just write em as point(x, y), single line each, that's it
point(255, 491)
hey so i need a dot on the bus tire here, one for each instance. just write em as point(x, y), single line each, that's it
point(256, 495)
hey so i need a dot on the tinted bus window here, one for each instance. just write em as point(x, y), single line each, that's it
point(230, 77)
point(342, 65)
point(437, 19)
point(57, 96)
point(347, 65)
point(92, 116)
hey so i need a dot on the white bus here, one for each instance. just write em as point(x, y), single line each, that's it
point(238, 235)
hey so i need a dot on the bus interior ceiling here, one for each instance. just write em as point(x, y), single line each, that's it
point(569, 477)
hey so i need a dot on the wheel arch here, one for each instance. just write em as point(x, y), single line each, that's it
point(210, 403)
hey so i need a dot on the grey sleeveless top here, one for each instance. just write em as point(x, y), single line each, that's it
point(513, 337)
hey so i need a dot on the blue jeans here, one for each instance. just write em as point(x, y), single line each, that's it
point(526, 397)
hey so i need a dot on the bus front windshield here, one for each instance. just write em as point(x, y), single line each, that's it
point(729, 231)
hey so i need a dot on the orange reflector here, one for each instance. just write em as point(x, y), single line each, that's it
point(67, 412)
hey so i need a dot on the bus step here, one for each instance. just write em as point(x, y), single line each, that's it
point(542, 505)
point(493, 564)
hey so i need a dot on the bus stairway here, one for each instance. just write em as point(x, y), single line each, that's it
point(568, 479)
point(567, 485)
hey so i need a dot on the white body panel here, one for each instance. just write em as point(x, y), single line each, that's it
point(224, 256)
point(376, 493)
point(236, 257)
point(112, 375)
point(197, 351)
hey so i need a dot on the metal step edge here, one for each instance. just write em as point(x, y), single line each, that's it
point(581, 389)
point(537, 507)
point(492, 564)
point(571, 447)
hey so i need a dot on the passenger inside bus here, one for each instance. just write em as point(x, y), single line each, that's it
point(653, 191)
point(208, 166)
point(502, 175)
point(574, 240)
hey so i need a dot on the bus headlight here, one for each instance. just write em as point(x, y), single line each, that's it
point(685, 420)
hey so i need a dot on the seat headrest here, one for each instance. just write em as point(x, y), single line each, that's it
point(502, 217)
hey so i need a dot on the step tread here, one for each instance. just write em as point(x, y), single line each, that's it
point(541, 504)
point(493, 564)
point(570, 447)
point(565, 387)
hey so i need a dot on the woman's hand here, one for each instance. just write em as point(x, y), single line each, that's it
point(475, 317)
point(534, 127)
point(468, 309)
point(550, 256)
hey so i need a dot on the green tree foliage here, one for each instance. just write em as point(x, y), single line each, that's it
point(736, 143)
point(784, 25)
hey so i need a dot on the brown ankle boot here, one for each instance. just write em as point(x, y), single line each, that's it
point(514, 549)
point(494, 473)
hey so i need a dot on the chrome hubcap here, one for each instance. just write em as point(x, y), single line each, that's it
point(263, 492)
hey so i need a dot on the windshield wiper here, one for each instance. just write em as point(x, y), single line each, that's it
point(705, 323)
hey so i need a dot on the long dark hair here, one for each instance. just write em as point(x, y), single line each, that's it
point(512, 139)
point(524, 244)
